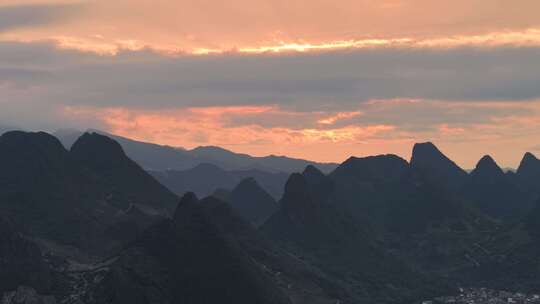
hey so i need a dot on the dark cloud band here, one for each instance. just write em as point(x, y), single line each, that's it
point(17, 16)
point(33, 74)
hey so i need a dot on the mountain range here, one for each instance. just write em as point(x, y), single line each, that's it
point(205, 179)
point(161, 158)
point(94, 189)
point(89, 224)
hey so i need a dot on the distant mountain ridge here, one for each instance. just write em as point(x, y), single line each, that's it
point(160, 158)
point(252, 202)
point(204, 179)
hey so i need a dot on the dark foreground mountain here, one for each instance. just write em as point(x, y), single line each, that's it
point(187, 260)
point(437, 218)
point(90, 226)
point(204, 179)
point(106, 158)
point(496, 193)
point(310, 224)
point(514, 253)
point(363, 186)
point(395, 195)
point(21, 262)
point(92, 197)
point(161, 158)
point(6, 128)
point(412, 208)
point(207, 254)
point(528, 173)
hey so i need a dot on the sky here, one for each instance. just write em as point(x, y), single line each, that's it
point(317, 79)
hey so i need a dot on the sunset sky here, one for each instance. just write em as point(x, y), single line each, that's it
point(316, 79)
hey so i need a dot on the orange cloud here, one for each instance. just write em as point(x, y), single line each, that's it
point(446, 130)
point(504, 129)
point(339, 116)
point(506, 133)
point(191, 127)
point(100, 45)
point(277, 26)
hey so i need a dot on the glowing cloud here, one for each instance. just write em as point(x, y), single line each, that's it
point(278, 26)
point(339, 116)
point(380, 126)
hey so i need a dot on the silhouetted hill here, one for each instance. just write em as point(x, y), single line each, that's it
point(252, 202)
point(417, 216)
point(427, 160)
point(529, 166)
point(160, 158)
point(375, 230)
point(204, 179)
point(106, 157)
point(76, 198)
point(343, 247)
point(528, 173)
point(197, 257)
point(363, 186)
point(307, 219)
point(496, 193)
point(7, 128)
point(487, 170)
point(372, 169)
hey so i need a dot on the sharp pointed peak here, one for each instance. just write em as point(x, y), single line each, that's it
point(529, 156)
point(487, 165)
point(487, 160)
point(427, 153)
point(528, 162)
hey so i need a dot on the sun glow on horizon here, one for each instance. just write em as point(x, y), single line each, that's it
point(311, 79)
point(330, 137)
point(100, 45)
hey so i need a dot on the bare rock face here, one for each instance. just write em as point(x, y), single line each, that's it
point(26, 295)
